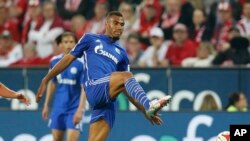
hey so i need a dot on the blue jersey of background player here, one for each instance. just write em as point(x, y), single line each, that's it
point(68, 86)
point(67, 90)
point(106, 77)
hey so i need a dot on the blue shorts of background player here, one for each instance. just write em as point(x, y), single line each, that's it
point(61, 120)
point(98, 96)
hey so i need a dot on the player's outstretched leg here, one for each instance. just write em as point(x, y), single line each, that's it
point(124, 81)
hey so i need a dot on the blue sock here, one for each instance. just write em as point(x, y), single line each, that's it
point(135, 90)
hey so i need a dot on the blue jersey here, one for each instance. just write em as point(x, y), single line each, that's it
point(101, 55)
point(68, 85)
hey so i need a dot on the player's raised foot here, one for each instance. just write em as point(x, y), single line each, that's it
point(157, 105)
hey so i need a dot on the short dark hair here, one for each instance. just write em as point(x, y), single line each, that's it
point(58, 40)
point(234, 98)
point(114, 13)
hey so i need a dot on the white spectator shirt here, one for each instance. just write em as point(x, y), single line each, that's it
point(196, 62)
point(147, 56)
point(13, 56)
point(44, 38)
point(244, 27)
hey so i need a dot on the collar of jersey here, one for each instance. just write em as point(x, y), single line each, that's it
point(106, 37)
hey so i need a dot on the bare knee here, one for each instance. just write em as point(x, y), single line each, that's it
point(72, 135)
point(126, 75)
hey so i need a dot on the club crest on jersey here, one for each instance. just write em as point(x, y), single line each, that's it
point(73, 70)
point(99, 50)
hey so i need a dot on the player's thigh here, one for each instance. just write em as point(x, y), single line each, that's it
point(99, 131)
point(73, 131)
point(116, 84)
point(57, 135)
point(73, 135)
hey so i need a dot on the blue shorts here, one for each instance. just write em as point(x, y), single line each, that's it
point(60, 120)
point(97, 92)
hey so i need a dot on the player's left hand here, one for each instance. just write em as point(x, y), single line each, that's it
point(77, 117)
point(23, 99)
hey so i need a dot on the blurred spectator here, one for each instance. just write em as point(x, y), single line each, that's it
point(237, 54)
point(237, 102)
point(56, 51)
point(209, 104)
point(187, 11)
point(222, 28)
point(134, 49)
point(204, 56)
point(97, 24)
point(207, 4)
point(242, 2)
point(7, 23)
point(128, 12)
point(18, 9)
point(46, 30)
point(78, 25)
point(214, 16)
point(233, 32)
point(170, 17)
point(176, 11)
point(198, 27)
point(114, 4)
point(134, 2)
point(197, 4)
point(67, 9)
point(181, 47)
point(10, 51)
point(30, 57)
point(149, 17)
point(244, 23)
point(33, 17)
point(154, 55)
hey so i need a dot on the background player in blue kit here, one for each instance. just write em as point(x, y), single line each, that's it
point(106, 75)
point(67, 112)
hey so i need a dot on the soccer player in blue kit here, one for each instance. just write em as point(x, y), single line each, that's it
point(67, 111)
point(106, 76)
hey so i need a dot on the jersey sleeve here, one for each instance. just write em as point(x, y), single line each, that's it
point(82, 74)
point(124, 64)
point(81, 46)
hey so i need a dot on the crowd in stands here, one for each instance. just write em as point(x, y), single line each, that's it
point(237, 102)
point(158, 33)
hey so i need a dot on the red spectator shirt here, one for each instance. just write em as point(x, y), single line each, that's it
point(12, 26)
point(177, 53)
